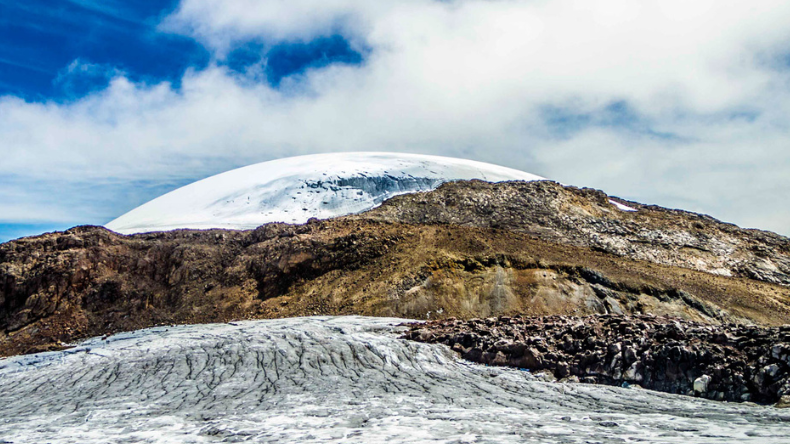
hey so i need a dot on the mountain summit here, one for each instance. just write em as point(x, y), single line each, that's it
point(296, 189)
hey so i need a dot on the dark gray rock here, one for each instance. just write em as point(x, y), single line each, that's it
point(725, 362)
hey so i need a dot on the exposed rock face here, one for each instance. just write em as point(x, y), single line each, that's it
point(476, 253)
point(725, 362)
point(586, 217)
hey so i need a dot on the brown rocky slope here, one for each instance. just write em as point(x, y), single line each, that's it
point(587, 218)
point(468, 249)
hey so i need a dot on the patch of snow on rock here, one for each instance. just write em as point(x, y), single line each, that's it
point(620, 206)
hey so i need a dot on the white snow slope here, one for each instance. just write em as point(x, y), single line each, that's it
point(297, 188)
point(324, 379)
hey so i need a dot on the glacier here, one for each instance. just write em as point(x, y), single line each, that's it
point(295, 189)
point(331, 379)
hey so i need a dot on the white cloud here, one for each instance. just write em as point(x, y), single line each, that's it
point(468, 78)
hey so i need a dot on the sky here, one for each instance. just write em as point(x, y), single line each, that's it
point(107, 104)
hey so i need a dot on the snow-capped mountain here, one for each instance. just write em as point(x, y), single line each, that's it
point(296, 189)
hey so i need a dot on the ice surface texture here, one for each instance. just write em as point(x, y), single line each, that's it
point(325, 379)
point(297, 188)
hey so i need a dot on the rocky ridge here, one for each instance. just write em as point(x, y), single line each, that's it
point(588, 218)
point(724, 362)
point(466, 250)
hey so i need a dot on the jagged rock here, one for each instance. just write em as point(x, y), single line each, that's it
point(666, 354)
point(781, 352)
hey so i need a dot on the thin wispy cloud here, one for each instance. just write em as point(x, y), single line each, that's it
point(669, 102)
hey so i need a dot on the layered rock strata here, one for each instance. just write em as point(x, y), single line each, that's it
point(725, 362)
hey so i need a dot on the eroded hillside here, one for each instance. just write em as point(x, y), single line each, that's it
point(589, 218)
point(468, 249)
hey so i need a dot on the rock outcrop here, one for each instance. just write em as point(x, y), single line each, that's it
point(724, 362)
point(589, 218)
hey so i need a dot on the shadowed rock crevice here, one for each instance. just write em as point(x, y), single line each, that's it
point(304, 259)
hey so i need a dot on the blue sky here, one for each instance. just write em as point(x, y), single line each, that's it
point(64, 51)
point(41, 39)
point(107, 104)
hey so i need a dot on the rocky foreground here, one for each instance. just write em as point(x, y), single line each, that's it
point(725, 362)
